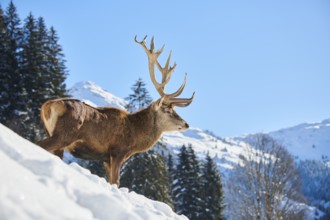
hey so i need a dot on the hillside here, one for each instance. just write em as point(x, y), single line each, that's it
point(37, 185)
point(307, 140)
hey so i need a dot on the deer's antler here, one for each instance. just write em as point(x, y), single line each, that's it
point(166, 72)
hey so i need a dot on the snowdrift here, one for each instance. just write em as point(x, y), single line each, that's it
point(37, 185)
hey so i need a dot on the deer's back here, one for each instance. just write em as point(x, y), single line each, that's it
point(74, 119)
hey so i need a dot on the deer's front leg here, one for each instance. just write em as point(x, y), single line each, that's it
point(107, 168)
point(115, 165)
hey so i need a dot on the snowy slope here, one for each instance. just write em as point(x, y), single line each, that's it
point(37, 185)
point(306, 141)
point(94, 95)
point(225, 152)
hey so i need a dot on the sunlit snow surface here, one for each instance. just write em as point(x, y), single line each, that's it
point(94, 95)
point(37, 185)
point(306, 141)
point(225, 152)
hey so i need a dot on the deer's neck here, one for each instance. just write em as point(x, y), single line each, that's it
point(145, 129)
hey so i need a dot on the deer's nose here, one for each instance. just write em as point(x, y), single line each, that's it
point(186, 124)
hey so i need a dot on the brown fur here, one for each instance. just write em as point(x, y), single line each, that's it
point(107, 134)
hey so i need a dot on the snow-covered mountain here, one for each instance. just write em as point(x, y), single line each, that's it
point(37, 185)
point(306, 141)
point(94, 95)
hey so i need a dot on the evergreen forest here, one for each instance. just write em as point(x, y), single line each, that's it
point(32, 70)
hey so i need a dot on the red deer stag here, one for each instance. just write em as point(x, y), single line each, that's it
point(109, 134)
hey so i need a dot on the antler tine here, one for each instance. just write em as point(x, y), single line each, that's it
point(180, 90)
point(182, 102)
point(152, 47)
point(167, 70)
point(142, 43)
point(152, 44)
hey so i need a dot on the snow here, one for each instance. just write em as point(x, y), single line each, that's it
point(37, 185)
point(306, 141)
point(226, 153)
point(94, 95)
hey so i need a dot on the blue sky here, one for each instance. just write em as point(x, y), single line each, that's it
point(256, 66)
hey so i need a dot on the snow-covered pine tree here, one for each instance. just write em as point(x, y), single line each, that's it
point(187, 186)
point(212, 197)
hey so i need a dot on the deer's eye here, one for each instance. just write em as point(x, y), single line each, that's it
point(168, 110)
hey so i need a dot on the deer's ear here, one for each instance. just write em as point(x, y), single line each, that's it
point(159, 103)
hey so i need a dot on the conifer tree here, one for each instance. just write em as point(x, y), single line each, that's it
point(170, 167)
point(11, 89)
point(56, 65)
point(213, 198)
point(42, 61)
point(32, 77)
point(4, 69)
point(146, 174)
point(171, 173)
point(140, 97)
point(187, 187)
point(32, 70)
point(15, 47)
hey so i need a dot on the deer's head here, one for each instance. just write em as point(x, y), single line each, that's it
point(167, 118)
